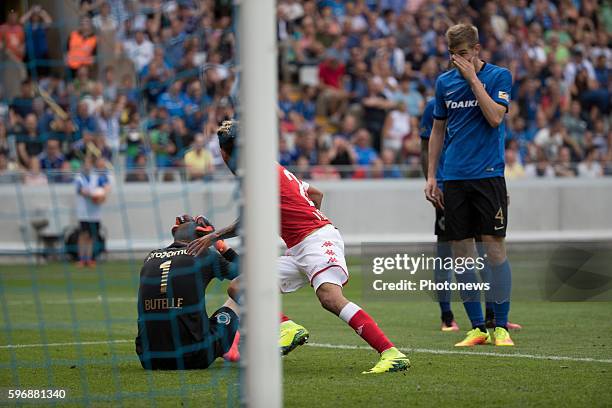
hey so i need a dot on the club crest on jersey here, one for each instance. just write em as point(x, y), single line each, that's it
point(503, 95)
point(461, 104)
point(224, 318)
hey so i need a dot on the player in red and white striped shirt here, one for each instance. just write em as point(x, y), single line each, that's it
point(315, 256)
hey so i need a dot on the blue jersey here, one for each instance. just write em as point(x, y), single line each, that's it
point(425, 130)
point(475, 149)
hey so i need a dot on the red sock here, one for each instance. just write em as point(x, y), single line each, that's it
point(366, 327)
point(283, 318)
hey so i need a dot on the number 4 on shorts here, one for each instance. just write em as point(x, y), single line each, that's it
point(500, 216)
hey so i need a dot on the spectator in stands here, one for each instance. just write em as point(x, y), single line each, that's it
point(36, 22)
point(286, 109)
point(198, 160)
point(29, 144)
point(56, 87)
point(181, 137)
point(602, 71)
point(305, 106)
point(541, 168)
point(174, 42)
point(302, 168)
point(348, 128)
point(139, 172)
point(109, 84)
point(324, 170)
point(343, 154)
point(305, 44)
point(357, 83)
point(564, 166)
point(174, 101)
point(573, 121)
point(577, 64)
point(375, 107)
point(590, 167)
point(129, 90)
point(375, 171)
point(364, 151)
point(83, 120)
point(105, 22)
point(12, 37)
point(33, 176)
point(21, 105)
point(196, 105)
point(82, 83)
point(8, 170)
point(82, 45)
point(162, 146)
point(332, 96)
point(389, 161)
point(134, 140)
point(410, 96)
point(514, 169)
point(284, 154)
point(53, 162)
point(95, 99)
point(396, 128)
point(108, 125)
point(4, 142)
point(305, 146)
point(411, 147)
point(139, 50)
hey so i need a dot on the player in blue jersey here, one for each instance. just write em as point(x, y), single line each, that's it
point(470, 104)
point(442, 274)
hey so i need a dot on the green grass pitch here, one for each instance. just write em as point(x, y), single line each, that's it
point(87, 319)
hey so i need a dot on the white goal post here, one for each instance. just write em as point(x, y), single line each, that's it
point(258, 86)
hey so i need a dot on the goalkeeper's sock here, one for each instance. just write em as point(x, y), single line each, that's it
point(284, 318)
point(365, 327)
point(502, 286)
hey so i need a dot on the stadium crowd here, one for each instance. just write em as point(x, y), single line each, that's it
point(144, 85)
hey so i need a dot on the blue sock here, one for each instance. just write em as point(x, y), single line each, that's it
point(443, 275)
point(445, 307)
point(474, 312)
point(471, 298)
point(502, 286)
point(485, 277)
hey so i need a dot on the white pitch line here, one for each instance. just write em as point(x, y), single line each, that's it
point(468, 353)
point(77, 301)
point(83, 301)
point(77, 343)
point(348, 347)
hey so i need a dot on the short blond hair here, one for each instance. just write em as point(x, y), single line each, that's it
point(460, 34)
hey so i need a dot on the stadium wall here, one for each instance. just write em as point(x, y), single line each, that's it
point(138, 216)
